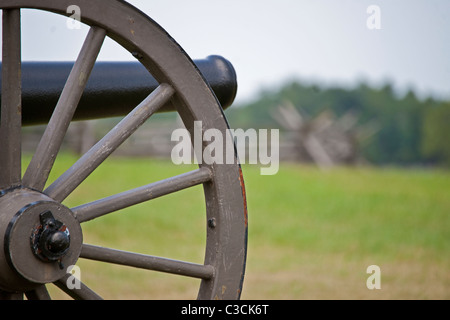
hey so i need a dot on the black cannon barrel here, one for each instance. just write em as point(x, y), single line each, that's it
point(113, 88)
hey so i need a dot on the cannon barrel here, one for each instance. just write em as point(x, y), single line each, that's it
point(113, 88)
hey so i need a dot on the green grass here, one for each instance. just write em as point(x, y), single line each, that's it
point(325, 228)
point(312, 233)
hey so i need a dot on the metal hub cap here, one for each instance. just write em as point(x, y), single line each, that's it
point(50, 241)
point(43, 256)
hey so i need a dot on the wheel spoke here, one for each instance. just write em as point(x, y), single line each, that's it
point(83, 293)
point(10, 295)
point(42, 162)
point(40, 293)
point(11, 106)
point(128, 198)
point(69, 180)
point(147, 262)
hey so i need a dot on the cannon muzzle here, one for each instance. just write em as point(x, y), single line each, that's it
point(113, 88)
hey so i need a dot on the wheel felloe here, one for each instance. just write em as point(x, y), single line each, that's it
point(37, 243)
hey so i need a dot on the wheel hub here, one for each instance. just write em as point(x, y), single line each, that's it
point(39, 237)
point(50, 240)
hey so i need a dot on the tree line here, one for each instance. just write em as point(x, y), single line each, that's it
point(411, 131)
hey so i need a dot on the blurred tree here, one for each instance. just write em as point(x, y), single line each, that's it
point(402, 121)
point(436, 132)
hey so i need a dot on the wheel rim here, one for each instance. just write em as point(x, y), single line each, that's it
point(223, 270)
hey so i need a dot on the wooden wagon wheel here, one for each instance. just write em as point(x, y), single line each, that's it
point(38, 233)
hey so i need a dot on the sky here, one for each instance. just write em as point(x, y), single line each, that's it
point(270, 42)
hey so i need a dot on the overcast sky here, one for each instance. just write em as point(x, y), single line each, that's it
point(270, 42)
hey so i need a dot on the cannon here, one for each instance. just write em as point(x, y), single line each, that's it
point(39, 235)
point(113, 88)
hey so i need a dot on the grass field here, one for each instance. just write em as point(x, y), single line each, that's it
point(312, 233)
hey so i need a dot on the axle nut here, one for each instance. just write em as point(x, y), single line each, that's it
point(58, 242)
point(51, 240)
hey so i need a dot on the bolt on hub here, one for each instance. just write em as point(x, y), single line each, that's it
point(50, 241)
